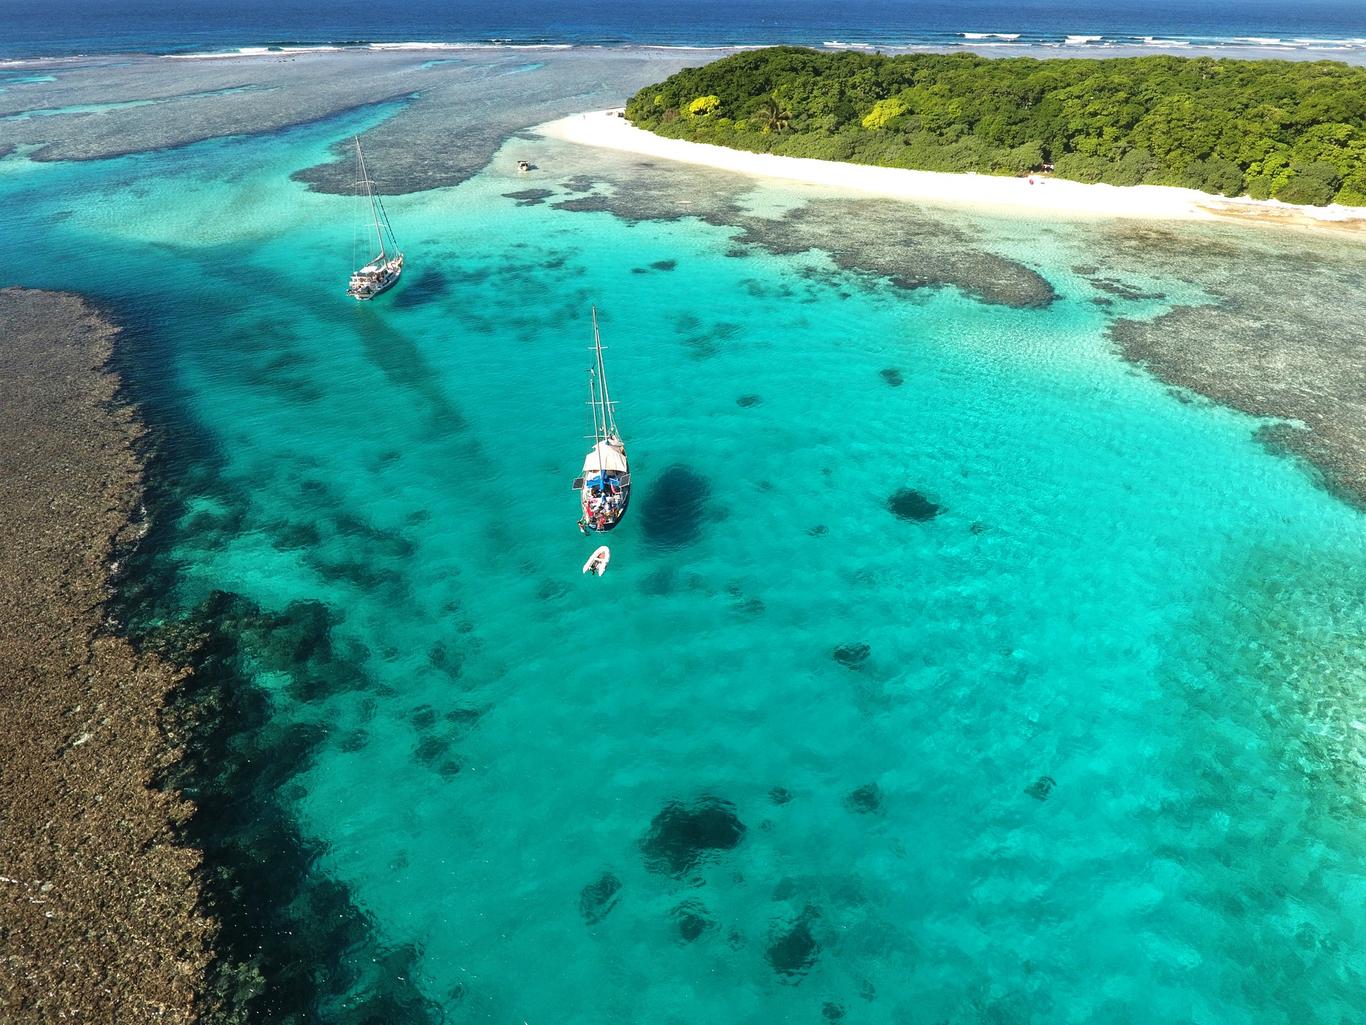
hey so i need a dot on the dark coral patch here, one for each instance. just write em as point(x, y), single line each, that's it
point(299, 641)
point(793, 948)
point(819, 530)
point(749, 400)
point(682, 835)
point(463, 719)
point(432, 749)
point(691, 919)
point(550, 589)
point(225, 524)
point(242, 764)
point(597, 899)
point(295, 535)
point(423, 717)
point(585, 205)
point(909, 504)
point(441, 656)
point(892, 376)
point(664, 265)
point(780, 795)
point(1041, 788)
point(1124, 290)
point(865, 800)
point(660, 582)
point(429, 285)
point(709, 342)
point(530, 197)
point(832, 1011)
point(851, 656)
point(674, 508)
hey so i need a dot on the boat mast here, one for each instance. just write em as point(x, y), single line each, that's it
point(609, 420)
point(370, 192)
point(598, 433)
point(593, 405)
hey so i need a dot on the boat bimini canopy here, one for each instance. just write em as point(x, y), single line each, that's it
point(604, 456)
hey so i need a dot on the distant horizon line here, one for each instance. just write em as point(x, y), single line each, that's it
point(968, 41)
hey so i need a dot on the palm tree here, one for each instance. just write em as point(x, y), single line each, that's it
point(771, 116)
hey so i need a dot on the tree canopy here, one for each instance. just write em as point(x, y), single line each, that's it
point(1295, 130)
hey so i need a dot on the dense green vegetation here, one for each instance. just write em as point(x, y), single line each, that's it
point(1293, 130)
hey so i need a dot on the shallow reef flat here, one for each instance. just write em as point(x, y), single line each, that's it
point(98, 905)
point(452, 113)
point(1284, 337)
point(912, 246)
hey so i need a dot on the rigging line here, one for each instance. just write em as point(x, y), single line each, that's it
point(389, 227)
point(370, 191)
point(609, 420)
point(597, 438)
point(360, 224)
point(593, 407)
point(357, 226)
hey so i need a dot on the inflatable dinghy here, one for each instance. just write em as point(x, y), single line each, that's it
point(597, 562)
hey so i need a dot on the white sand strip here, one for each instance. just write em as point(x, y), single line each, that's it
point(1023, 196)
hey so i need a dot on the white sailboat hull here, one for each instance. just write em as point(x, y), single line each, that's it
point(375, 277)
point(380, 274)
point(605, 488)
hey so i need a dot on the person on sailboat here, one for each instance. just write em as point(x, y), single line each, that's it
point(605, 482)
point(382, 269)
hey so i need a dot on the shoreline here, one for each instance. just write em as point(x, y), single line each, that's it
point(1035, 195)
point(102, 902)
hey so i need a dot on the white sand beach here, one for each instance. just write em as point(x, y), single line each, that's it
point(1027, 196)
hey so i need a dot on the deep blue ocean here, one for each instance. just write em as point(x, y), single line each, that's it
point(168, 26)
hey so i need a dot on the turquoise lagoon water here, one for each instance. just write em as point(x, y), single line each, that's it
point(1101, 761)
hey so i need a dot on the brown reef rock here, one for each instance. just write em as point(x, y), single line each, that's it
point(99, 918)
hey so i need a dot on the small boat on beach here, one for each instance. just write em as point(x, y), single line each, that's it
point(605, 486)
point(382, 269)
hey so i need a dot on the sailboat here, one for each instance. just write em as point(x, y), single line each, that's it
point(605, 486)
point(386, 265)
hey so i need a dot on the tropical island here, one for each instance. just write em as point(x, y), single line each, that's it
point(1293, 131)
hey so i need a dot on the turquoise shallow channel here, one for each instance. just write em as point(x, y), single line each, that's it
point(1067, 740)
